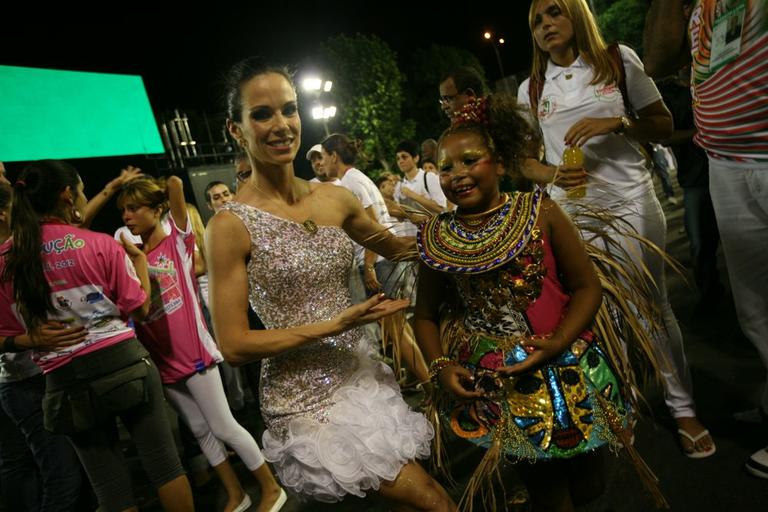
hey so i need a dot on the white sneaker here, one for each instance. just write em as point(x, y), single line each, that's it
point(757, 463)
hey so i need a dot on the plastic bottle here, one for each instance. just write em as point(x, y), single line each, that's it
point(574, 156)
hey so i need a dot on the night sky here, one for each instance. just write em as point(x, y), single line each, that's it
point(183, 56)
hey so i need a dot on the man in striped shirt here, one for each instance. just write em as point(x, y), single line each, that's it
point(728, 41)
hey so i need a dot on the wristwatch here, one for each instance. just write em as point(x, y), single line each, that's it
point(626, 123)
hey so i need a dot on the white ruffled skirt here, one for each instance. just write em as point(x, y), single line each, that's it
point(370, 434)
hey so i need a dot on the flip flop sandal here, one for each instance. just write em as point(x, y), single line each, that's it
point(693, 439)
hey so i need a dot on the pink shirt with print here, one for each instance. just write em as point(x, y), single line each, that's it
point(174, 332)
point(93, 284)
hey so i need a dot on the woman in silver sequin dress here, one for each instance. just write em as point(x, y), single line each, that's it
point(336, 422)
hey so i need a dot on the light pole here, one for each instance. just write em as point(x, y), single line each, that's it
point(489, 37)
point(324, 113)
point(318, 86)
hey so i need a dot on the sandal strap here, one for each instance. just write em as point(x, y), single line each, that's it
point(694, 439)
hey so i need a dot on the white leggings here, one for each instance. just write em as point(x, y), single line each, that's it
point(645, 215)
point(200, 402)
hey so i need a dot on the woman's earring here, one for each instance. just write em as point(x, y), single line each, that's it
point(243, 143)
point(77, 215)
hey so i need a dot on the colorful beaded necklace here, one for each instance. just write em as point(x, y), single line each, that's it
point(481, 243)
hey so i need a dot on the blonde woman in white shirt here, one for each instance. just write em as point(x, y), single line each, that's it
point(576, 93)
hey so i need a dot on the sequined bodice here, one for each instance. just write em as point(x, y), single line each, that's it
point(297, 278)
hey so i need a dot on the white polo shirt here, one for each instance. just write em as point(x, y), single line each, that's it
point(425, 187)
point(369, 195)
point(616, 167)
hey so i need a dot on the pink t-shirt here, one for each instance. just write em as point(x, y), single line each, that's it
point(174, 332)
point(93, 283)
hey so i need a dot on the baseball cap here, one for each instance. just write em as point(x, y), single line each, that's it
point(314, 149)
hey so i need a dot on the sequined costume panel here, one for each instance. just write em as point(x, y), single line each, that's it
point(336, 421)
point(553, 412)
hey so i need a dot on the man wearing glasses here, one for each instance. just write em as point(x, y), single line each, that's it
point(460, 86)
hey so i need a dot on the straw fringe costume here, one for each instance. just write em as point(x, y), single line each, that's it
point(506, 289)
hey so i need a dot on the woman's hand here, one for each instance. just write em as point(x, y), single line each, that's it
point(133, 252)
point(541, 350)
point(459, 382)
point(369, 311)
point(570, 176)
point(53, 335)
point(537, 171)
point(128, 174)
point(589, 127)
point(371, 283)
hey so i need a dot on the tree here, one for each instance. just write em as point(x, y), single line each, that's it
point(369, 93)
point(623, 21)
point(425, 69)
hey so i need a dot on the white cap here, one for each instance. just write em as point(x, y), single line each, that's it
point(314, 149)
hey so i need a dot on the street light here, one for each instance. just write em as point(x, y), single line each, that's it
point(318, 86)
point(489, 37)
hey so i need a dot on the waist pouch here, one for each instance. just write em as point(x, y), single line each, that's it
point(95, 387)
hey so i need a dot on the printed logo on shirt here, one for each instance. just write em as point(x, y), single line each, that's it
point(166, 294)
point(607, 93)
point(93, 298)
point(547, 107)
point(60, 245)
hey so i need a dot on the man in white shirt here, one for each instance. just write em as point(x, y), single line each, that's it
point(417, 190)
point(315, 157)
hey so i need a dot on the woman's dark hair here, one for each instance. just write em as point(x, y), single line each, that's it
point(242, 72)
point(505, 130)
point(35, 196)
point(346, 148)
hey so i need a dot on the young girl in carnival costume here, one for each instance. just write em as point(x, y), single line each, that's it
point(527, 359)
point(175, 334)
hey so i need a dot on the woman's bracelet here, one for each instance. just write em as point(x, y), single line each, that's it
point(438, 364)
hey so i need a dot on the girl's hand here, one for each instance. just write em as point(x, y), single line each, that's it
point(52, 335)
point(590, 127)
point(459, 382)
point(371, 310)
point(541, 350)
point(128, 174)
point(569, 176)
point(371, 283)
point(131, 250)
point(537, 171)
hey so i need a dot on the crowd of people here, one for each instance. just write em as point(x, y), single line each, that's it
point(517, 288)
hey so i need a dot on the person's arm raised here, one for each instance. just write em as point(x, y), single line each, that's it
point(178, 205)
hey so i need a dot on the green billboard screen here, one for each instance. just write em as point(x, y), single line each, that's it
point(48, 113)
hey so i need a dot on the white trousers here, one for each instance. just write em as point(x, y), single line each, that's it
point(740, 196)
point(200, 402)
point(645, 215)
